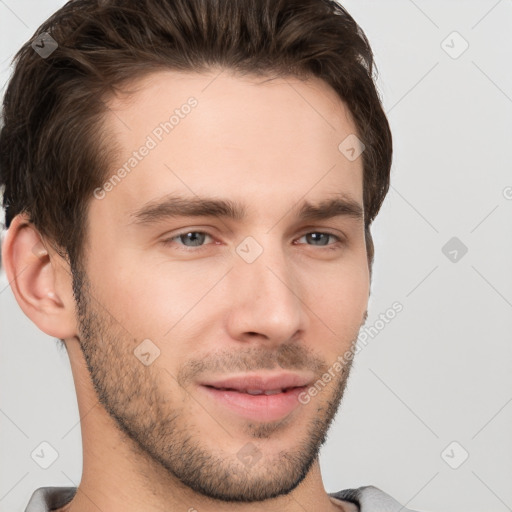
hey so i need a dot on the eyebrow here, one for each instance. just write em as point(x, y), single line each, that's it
point(171, 206)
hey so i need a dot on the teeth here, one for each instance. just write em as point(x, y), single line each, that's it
point(255, 391)
point(260, 392)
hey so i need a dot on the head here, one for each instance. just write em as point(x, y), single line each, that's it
point(155, 120)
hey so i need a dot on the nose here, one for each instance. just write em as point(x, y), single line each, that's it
point(267, 298)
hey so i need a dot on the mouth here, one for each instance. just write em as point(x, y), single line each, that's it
point(255, 392)
point(258, 397)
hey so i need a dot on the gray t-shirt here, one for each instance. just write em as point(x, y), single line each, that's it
point(367, 499)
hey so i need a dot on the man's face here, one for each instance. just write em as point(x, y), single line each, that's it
point(202, 332)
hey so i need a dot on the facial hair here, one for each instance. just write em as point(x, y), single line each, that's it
point(162, 431)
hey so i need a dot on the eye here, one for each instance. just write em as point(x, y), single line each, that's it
point(189, 239)
point(320, 239)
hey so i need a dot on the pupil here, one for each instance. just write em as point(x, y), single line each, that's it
point(316, 236)
point(194, 237)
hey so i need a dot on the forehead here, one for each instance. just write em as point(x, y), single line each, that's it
point(220, 134)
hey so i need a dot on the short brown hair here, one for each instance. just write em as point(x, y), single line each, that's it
point(53, 153)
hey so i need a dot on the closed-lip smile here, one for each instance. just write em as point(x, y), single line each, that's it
point(259, 396)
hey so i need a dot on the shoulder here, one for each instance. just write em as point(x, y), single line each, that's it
point(46, 499)
point(371, 499)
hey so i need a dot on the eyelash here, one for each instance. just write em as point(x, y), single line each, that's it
point(169, 241)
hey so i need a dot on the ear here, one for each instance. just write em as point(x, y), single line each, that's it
point(40, 279)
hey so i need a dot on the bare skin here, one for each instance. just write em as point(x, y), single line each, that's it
point(209, 312)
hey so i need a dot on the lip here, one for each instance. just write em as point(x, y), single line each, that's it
point(231, 393)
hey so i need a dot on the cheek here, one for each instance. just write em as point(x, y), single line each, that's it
point(344, 281)
point(156, 301)
point(337, 301)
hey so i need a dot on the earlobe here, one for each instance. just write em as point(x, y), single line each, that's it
point(32, 269)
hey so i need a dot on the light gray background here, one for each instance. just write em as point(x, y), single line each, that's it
point(440, 370)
